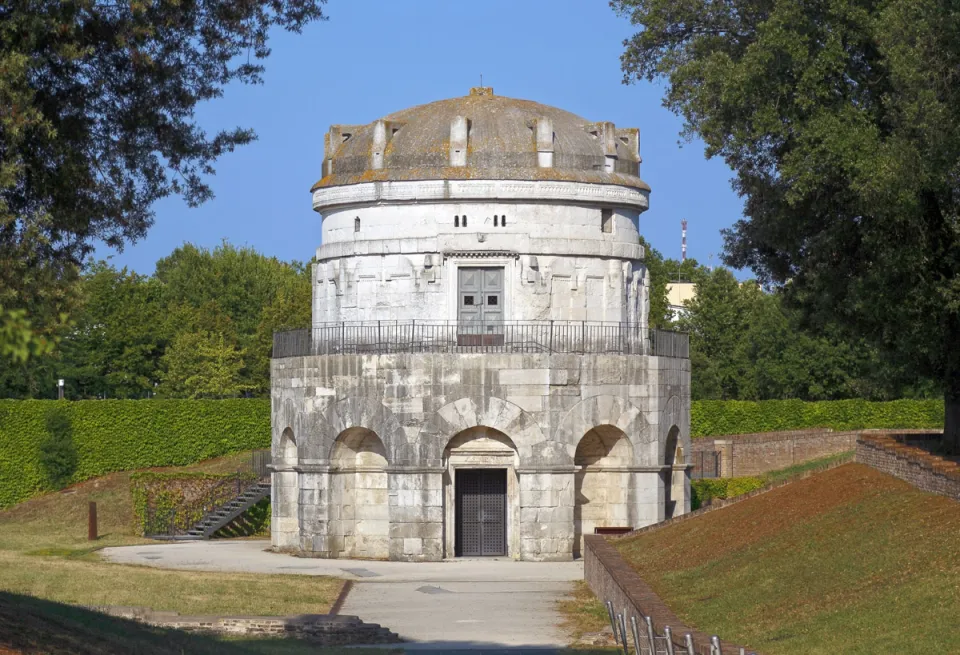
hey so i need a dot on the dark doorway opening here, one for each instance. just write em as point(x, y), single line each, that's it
point(481, 512)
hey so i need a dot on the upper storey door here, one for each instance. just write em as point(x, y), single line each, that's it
point(480, 292)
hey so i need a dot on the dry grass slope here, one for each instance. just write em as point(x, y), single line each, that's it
point(847, 561)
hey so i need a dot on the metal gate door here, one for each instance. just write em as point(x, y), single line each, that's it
point(480, 306)
point(481, 512)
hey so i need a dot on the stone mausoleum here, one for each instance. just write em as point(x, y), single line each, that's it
point(479, 378)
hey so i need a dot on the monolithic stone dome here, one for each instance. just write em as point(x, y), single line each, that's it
point(482, 136)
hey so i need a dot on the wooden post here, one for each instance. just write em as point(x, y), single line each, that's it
point(92, 522)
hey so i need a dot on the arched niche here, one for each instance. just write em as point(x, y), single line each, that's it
point(359, 518)
point(287, 454)
point(673, 477)
point(601, 482)
point(481, 448)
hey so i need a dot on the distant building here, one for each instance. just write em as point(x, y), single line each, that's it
point(678, 295)
point(479, 378)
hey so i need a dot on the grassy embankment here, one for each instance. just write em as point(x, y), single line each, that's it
point(847, 560)
point(44, 553)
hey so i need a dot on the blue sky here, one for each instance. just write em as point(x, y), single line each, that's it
point(375, 57)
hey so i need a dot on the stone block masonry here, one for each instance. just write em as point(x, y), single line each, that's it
point(367, 449)
point(894, 455)
point(319, 629)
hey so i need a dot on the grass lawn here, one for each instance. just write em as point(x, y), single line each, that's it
point(583, 614)
point(44, 553)
point(848, 560)
point(798, 469)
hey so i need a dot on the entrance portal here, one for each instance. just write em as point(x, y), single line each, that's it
point(481, 512)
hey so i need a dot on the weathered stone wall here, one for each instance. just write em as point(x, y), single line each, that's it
point(892, 454)
point(320, 629)
point(417, 403)
point(392, 251)
point(756, 454)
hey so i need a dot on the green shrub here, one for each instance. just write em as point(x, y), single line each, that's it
point(121, 435)
point(707, 489)
point(710, 418)
point(58, 454)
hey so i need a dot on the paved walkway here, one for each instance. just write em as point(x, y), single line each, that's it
point(484, 605)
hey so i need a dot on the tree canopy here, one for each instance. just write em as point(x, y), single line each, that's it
point(97, 103)
point(201, 326)
point(841, 123)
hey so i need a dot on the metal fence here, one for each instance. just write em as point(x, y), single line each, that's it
point(260, 461)
point(706, 464)
point(639, 635)
point(384, 337)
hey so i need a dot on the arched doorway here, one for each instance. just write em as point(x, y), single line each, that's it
point(359, 503)
point(601, 482)
point(481, 494)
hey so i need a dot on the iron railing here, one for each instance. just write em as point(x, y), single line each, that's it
point(706, 464)
point(639, 635)
point(260, 462)
point(384, 337)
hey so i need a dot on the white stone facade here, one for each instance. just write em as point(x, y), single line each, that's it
point(376, 422)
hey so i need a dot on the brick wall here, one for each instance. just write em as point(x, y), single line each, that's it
point(902, 455)
point(612, 579)
point(756, 454)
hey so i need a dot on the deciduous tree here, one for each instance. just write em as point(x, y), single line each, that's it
point(97, 103)
point(841, 122)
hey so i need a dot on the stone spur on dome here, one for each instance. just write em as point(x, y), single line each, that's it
point(479, 377)
point(482, 136)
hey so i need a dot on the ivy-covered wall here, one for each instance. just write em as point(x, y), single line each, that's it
point(171, 503)
point(118, 435)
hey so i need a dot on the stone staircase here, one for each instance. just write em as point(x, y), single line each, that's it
point(224, 514)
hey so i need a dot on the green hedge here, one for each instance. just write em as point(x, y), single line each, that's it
point(710, 418)
point(706, 489)
point(119, 435)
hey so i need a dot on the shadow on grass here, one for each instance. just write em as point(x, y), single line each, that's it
point(32, 626)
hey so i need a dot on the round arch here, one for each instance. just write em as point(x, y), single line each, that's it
point(602, 482)
point(475, 453)
point(607, 410)
point(367, 414)
point(472, 412)
point(670, 419)
point(673, 479)
point(287, 453)
point(359, 511)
